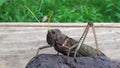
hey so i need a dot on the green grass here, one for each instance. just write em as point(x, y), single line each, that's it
point(64, 10)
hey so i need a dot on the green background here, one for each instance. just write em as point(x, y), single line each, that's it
point(64, 10)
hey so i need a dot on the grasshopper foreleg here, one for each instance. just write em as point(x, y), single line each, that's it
point(43, 47)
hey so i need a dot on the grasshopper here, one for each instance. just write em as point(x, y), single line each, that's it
point(69, 46)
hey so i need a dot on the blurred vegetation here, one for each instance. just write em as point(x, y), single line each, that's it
point(64, 10)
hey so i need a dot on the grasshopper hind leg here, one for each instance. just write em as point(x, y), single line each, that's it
point(76, 54)
point(75, 57)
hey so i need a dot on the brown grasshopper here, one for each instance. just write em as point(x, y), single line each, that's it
point(71, 47)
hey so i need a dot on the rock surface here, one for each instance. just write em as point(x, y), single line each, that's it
point(59, 61)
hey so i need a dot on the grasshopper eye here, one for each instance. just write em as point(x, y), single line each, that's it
point(53, 32)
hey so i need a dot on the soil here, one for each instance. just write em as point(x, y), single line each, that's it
point(59, 61)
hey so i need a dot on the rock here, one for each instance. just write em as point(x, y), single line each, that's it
point(59, 61)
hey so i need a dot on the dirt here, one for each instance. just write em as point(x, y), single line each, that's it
point(59, 61)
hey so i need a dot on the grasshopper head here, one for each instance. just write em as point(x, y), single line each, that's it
point(52, 36)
